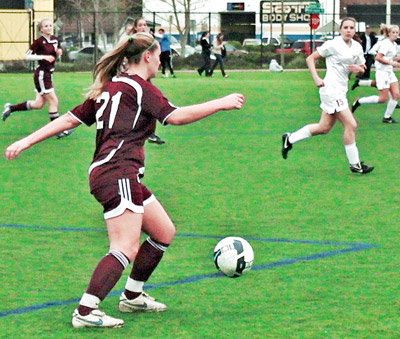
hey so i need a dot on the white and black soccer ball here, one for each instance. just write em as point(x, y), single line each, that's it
point(233, 256)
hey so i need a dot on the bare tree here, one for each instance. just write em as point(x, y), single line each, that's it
point(179, 8)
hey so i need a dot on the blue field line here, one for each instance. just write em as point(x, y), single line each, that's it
point(351, 247)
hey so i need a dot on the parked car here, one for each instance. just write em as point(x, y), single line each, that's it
point(276, 41)
point(301, 46)
point(176, 49)
point(305, 46)
point(232, 50)
point(84, 54)
point(251, 42)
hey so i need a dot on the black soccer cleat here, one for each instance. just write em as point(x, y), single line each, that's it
point(155, 139)
point(355, 85)
point(361, 168)
point(286, 145)
point(397, 106)
point(389, 120)
point(355, 105)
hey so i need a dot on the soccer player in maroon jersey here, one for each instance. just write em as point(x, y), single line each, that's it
point(124, 107)
point(140, 26)
point(45, 50)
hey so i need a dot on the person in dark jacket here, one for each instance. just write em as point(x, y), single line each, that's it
point(368, 39)
point(205, 53)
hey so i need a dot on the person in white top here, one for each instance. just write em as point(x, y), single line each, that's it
point(386, 81)
point(343, 56)
point(219, 50)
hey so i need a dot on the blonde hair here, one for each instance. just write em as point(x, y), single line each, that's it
point(385, 29)
point(131, 49)
point(41, 22)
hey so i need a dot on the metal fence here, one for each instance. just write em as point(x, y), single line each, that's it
point(86, 36)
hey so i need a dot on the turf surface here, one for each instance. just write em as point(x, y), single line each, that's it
point(219, 177)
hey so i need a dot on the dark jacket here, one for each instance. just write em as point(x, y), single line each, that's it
point(205, 47)
point(364, 40)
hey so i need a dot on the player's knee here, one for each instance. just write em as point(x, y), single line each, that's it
point(37, 104)
point(396, 96)
point(129, 249)
point(325, 129)
point(383, 99)
point(131, 252)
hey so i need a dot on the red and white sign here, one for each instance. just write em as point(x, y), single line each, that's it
point(314, 21)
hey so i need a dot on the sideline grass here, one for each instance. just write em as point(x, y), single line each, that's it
point(221, 176)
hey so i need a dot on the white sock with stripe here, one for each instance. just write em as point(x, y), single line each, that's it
point(352, 154)
point(372, 99)
point(365, 83)
point(302, 134)
point(390, 108)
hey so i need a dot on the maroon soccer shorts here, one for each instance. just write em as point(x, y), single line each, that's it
point(43, 81)
point(119, 194)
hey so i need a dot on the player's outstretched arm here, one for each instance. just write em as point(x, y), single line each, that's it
point(188, 114)
point(63, 123)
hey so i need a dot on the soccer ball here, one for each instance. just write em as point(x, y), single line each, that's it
point(233, 256)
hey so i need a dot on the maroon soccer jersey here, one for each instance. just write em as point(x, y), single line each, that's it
point(125, 114)
point(44, 46)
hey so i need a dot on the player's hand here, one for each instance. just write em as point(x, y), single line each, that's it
point(233, 101)
point(49, 58)
point(59, 51)
point(319, 82)
point(15, 149)
point(356, 68)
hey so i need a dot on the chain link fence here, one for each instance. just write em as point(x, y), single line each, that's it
point(86, 36)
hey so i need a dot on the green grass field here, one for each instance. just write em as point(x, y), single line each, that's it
point(219, 177)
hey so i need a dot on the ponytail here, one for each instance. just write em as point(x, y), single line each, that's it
point(385, 29)
point(129, 49)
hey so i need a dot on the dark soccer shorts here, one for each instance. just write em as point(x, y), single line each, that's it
point(121, 194)
point(43, 81)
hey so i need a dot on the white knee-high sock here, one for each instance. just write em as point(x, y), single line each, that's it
point(301, 134)
point(352, 154)
point(372, 99)
point(365, 83)
point(390, 108)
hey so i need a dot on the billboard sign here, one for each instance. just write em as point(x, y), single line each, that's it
point(291, 11)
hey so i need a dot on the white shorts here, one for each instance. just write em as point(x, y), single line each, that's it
point(332, 103)
point(384, 79)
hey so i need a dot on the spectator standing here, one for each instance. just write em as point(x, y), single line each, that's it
point(165, 56)
point(206, 54)
point(368, 40)
point(219, 50)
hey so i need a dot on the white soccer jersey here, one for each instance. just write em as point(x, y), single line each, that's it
point(389, 50)
point(338, 58)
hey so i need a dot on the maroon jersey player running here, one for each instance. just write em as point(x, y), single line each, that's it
point(124, 107)
point(45, 50)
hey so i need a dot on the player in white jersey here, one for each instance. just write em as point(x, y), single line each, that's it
point(343, 56)
point(386, 81)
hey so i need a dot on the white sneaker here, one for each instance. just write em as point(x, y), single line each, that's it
point(96, 318)
point(143, 303)
point(6, 112)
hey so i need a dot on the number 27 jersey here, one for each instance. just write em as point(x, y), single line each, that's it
point(125, 114)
